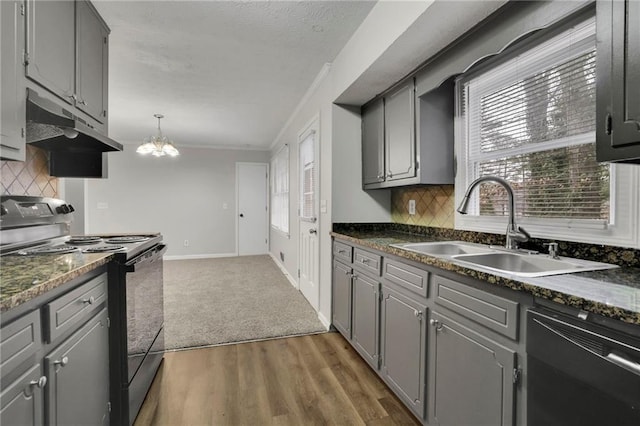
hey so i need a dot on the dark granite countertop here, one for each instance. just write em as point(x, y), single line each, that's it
point(613, 293)
point(23, 278)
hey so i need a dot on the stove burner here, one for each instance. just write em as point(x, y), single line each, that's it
point(84, 240)
point(127, 239)
point(102, 249)
point(52, 250)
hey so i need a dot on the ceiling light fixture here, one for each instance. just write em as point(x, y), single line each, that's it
point(158, 145)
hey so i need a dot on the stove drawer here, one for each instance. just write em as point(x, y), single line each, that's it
point(71, 310)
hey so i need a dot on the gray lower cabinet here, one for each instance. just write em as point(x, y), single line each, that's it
point(473, 376)
point(54, 359)
point(21, 401)
point(365, 327)
point(341, 298)
point(75, 370)
point(404, 347)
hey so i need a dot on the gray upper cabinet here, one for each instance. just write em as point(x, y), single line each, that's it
point(373, 143)
point(403, 348)
point(67, 54)
point(618, 81)
point(13, 115)
point(399, 133)
point(341, 295)
point(51, 47)
point(473, 376)
point(408, 140)
point(78, 372)
point(92, 63)
point(365, 329)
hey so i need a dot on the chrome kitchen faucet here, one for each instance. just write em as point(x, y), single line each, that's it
point(514, 232)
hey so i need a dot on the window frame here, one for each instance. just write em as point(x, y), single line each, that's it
point(282, 159)
point(622, 228)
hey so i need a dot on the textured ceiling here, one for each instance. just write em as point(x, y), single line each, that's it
point(224, 73)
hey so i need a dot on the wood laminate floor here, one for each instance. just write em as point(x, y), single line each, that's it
point(307, 380)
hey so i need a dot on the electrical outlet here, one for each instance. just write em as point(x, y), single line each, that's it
point(412, 207)
point(186, 243)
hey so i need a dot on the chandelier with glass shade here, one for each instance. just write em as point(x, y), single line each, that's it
point(158, 145)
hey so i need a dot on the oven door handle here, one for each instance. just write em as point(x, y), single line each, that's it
point(149, 256)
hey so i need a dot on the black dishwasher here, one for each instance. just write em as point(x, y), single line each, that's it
point(580, 373)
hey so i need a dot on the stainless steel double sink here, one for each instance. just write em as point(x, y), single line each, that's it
point(496, 259)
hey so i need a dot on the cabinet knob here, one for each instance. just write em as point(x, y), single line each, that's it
point(381, 176)
point(64, 361)
point(89, 301)
point(437, 324)
point(389, 175)
point(82, 101)
point(40, 383)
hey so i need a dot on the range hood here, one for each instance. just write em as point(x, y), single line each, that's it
point(53, 128)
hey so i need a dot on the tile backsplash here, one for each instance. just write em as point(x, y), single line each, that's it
point(30, 177)
point(434, 206)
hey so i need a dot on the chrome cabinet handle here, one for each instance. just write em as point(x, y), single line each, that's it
point(81, 101)
point(89, 301)
point(63, 362)
point(365, 261)
point(342, 251)
point(437, 324)
point(313, 231)
point(40, 383)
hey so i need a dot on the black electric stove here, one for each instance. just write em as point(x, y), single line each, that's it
point(40, 227)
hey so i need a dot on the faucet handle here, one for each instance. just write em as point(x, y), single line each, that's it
point(553, 249)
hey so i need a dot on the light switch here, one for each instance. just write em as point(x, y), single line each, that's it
point(412, 207)
point(323, 206)
point(225, 206)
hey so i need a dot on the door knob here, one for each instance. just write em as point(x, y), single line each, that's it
point(313, 231)
point(241, 215)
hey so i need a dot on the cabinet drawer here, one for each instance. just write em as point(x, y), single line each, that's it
point(407, 276)
point(19, 340)
point(74, 308)
point(489, 310)
point(366, 261)
point(342, 251)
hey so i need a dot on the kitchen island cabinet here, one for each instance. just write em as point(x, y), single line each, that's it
point(618, 81)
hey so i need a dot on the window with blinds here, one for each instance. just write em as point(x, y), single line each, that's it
point(280, 190)
point(531, 120)
point(307, 177)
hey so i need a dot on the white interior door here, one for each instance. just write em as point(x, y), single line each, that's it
point(253, 216)
point(309, 259)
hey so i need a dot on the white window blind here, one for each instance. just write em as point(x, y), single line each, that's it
point(531, 120)
point(280, 190)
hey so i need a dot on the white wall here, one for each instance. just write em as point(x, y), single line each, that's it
point(180, 197)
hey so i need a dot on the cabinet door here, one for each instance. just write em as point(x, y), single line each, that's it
point(403, 348)
point(13, 115)
point(341, 295)
point(92, 62)
point(373, 143)
point(473, 376)
point(78, 372)
point(618, 80)
point(51, 46)
point(21, 401)
point(399, 125)
point(365, 329)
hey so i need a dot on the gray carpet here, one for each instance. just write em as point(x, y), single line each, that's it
point(233, 299)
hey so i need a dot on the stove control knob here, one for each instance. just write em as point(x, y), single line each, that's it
point(3, 210)
point(63, 209)
point(71, 209)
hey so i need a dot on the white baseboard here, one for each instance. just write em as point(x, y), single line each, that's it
point(285, 272)
point(324, 320)
point(199, 256)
